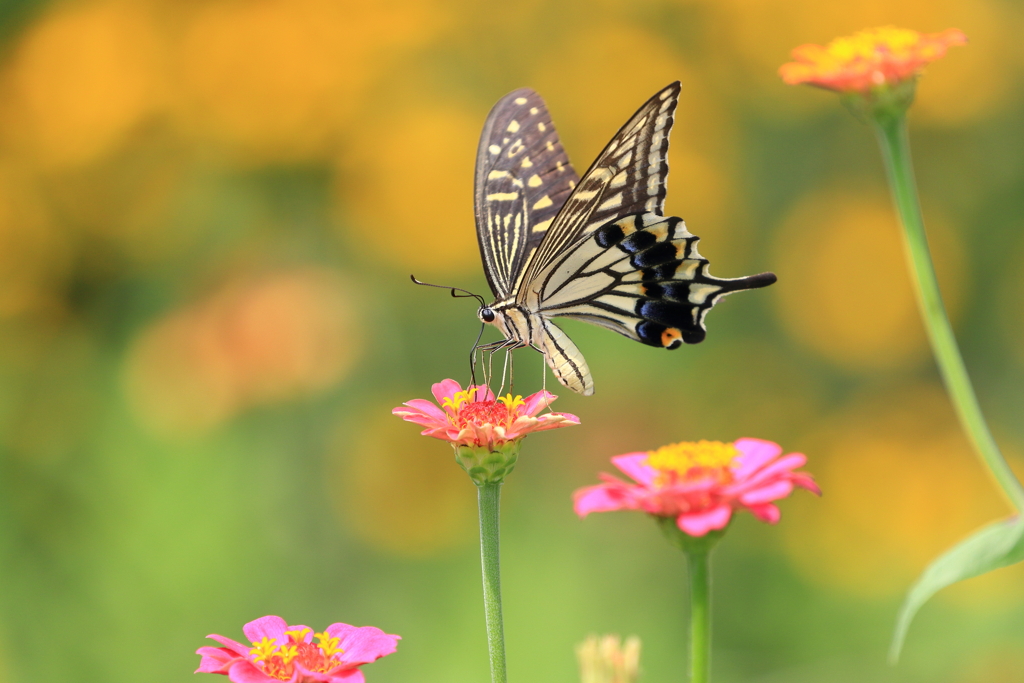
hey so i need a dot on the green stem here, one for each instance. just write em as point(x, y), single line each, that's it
point(488, 499)
point(892, 136)
point(700, 615)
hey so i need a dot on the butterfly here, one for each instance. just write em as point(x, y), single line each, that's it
point(598, 249)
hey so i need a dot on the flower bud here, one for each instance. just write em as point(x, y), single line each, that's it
point(607, 659)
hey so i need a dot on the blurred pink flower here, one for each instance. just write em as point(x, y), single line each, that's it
point(700, 484)
point(475, 418)
point(287, 653)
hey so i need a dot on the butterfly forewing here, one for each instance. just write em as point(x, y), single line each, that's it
point(628, 177)
point(523, 178)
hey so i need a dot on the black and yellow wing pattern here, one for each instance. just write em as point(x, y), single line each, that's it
point(610, 256)
point(523, 177)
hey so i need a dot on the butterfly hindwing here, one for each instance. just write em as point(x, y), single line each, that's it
point(628, 177)
point(523, 177)
point(641, 276)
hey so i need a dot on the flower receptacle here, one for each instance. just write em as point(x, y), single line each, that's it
point(488, 464)
point(690, 544)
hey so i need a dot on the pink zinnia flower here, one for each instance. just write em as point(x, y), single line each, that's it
point(700, 484)
point(287, 653)
point(475, 418)
point(484, 431)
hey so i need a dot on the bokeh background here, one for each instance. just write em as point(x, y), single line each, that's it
point(209, 210)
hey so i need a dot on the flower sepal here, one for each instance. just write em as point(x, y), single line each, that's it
point(699, 545)
point(886, 102)
point(488, 464)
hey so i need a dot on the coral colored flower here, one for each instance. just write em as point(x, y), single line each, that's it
point(871, 59)
point(288, 653)
point(485, 432)
point(700, 484)
point(475, 418)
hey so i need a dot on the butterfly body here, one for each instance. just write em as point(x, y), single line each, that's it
point(596, 249)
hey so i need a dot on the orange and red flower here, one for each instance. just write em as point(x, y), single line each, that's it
point(868, 60)
point(280, 652)
point(700, 484)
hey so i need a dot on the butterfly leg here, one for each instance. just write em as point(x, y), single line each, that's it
point(487, 364)
point(508, 347)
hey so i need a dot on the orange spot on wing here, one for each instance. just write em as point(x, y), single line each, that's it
point(670, 336)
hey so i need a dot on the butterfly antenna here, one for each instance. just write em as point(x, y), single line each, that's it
point(463, 293)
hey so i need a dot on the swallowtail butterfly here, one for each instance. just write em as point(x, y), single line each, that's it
point(598, 249)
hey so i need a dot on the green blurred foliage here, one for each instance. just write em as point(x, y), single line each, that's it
point(208, 214)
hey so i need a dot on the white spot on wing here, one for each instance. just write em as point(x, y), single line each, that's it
point(502, 196)
point(699, 293)
point(513, 126)
point(534, 181)
point(520, 100)
point(543, 202)
point(494, 149)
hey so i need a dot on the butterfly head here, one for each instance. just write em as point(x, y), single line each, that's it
point(485, 314)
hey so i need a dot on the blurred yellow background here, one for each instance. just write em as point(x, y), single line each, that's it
point(209, 210)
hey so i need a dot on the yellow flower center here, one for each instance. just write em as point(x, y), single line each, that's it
point(278, 661)
point(690, 460)
point(458, 399)
point(512, 403)
point(866, 44)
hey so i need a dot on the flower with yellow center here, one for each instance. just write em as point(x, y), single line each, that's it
point(484, 431)
point(297, 658)
point(698, 485)
point(873, 59)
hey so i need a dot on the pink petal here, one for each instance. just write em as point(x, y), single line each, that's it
point(538, 402)
point(552, 421)
point(634, 465)
point(767, 493)
point(304, 675)
point(766, 513)
point(266, 627)
point(239, 649)
point(805, 481)
point(216, 660)
point(244, 671)
point(603, 498)
point(699, 523)
point(754, 454)
point(780, 468)
point(418, 418)
point(427, 408)
point(362, 645)
point(445, 389)
point(348, 676)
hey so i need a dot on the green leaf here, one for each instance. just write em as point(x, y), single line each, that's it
point(997, 545)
